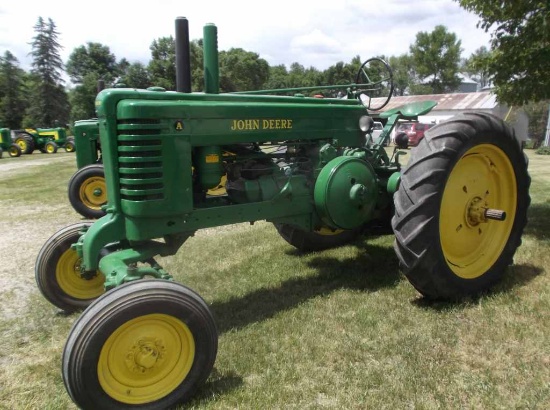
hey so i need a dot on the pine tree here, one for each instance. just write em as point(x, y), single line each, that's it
point(12, 93)
point(48, 103)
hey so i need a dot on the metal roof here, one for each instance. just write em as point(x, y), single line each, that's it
point(483, 100)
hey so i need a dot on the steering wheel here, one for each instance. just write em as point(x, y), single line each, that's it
point(374, 80)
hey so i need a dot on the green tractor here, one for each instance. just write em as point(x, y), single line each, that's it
point(87, 189)
point(47, 140)
point(6, 144)
point(459, 209)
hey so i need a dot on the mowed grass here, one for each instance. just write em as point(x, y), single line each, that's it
point(334, 329)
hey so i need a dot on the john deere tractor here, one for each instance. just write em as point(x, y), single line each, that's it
point(6, 144)
point(87, 189)
point(47, 140)
point(304, 164)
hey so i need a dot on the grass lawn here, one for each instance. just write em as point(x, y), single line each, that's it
point(339, 329)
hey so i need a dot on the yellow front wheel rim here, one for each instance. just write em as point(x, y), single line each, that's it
point(146, 359)
point(50, 149)
point(93, 192)
point(67, 274)
point(483, 177)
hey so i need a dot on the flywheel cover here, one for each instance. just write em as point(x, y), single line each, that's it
point(346, 192)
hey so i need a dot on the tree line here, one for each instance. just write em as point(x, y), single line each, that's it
point(40, 97)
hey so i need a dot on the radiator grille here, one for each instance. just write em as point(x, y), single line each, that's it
point(140, 160)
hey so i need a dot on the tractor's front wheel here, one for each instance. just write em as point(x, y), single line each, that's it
point(88, 191)
point(14, 150)
point(323, 238)
point(50, 147)
point(147, 344)
point(461, 207)
point(57, 272)
point(69, 146)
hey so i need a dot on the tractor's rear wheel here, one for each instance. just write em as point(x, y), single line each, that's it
point(14, 150)
point(323, 238)
point(50, 147)
point(147, 344)
point(463, 178)
point(25, 142)
point(88, 191)
point(57, 272)
point(1, 152)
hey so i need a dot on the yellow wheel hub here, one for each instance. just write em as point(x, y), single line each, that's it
point(93, 192)
point(67, 274)
point(146, 358)
point(326, 231)
point(482, 179)
point(50, 149)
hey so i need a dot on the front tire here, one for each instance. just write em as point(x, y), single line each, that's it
point(69, 146)
point(50, 147)
point(88, 191)
point(147, 344)
point(446, 246)
point(57, 272)
point(14, 151)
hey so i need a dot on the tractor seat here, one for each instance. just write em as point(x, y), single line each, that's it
point(410, 111)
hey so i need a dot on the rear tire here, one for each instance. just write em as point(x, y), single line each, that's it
point(25, 142)
point(322, 239)
point(57, 272)
point(147, 344)
point(88, 191)
point(445, 249)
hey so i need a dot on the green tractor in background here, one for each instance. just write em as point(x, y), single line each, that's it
point(47, 140)
point(6, 144)
point(87, 189)
point(308, 166)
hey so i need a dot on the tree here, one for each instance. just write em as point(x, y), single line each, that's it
point(476, 66)
point(92, 58)
point(242, 70)
point(48, 103)
point(136, 76)
point(87, 65)
point(403, 74)
point(162, 66)
point(436, 58)
point(12, 91)
point(538, 117)
point(520, 41)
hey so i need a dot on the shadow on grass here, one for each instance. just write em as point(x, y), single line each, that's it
point(374, 269)
point(218, 384)
point(515, 277)
point(538, 223)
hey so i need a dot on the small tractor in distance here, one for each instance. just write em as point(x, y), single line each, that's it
point(308, 166)
point(6, 144)
point(47, 140)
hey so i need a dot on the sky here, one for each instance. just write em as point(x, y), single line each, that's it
point(314, 33)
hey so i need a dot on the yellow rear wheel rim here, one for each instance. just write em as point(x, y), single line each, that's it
point(325, 231)
point(93, 192)
point(484, 175)
point(146, 359)
point(67, 274)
